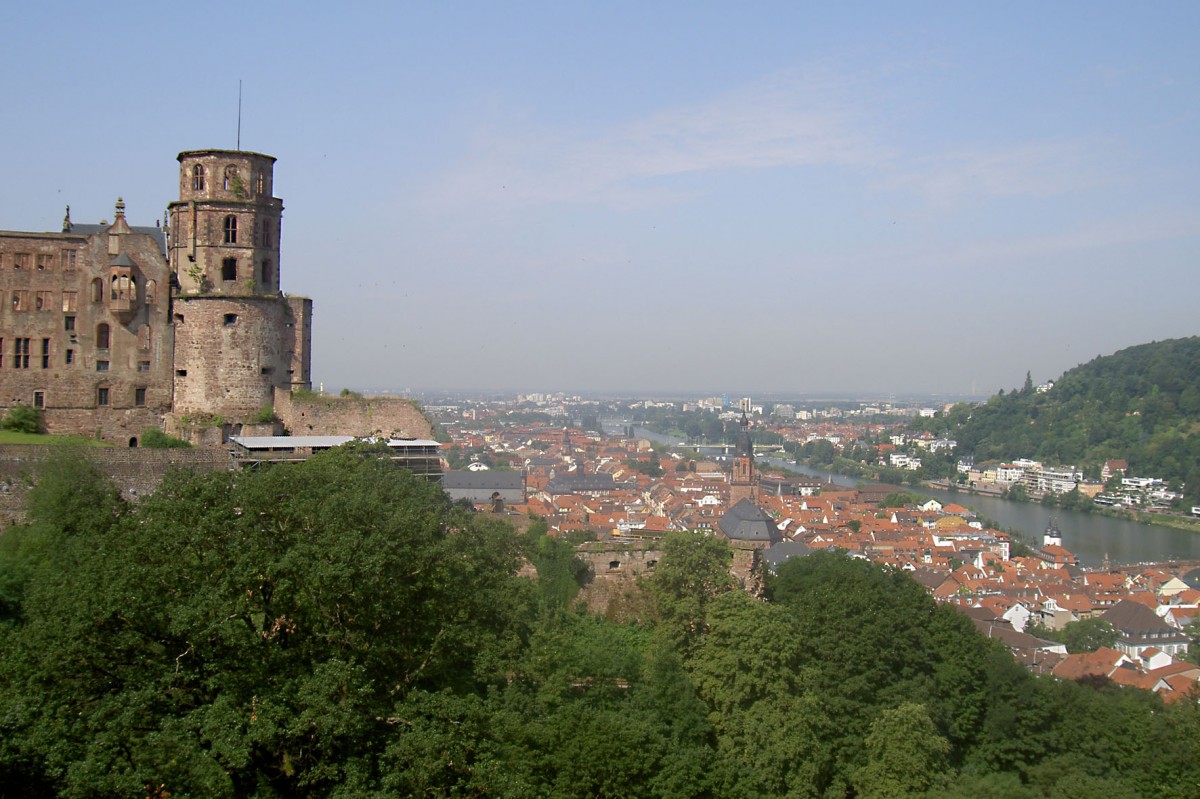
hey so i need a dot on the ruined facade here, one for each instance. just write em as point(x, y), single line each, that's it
point(111, 329)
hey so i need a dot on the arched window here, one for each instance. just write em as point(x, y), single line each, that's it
point(123, 288)
point(151, 289)
point(102, 336)
point(198, 177)
point(231, 229)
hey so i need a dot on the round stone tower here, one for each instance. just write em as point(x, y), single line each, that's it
point(225, 226)
point(237, 337)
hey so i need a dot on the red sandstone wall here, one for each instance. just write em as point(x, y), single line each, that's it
point(230, 353)
point(321, 415)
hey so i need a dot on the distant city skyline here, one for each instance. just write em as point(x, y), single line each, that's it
point(789, 199)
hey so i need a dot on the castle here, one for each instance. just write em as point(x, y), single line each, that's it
point(110, 329)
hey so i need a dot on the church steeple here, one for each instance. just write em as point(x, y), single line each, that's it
point(741, 483)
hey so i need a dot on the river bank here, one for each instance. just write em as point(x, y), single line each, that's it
point(1093, 538)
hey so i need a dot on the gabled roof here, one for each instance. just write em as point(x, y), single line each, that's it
point(573, 483)
point(493, 478)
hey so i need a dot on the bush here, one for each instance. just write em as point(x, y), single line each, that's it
point(265, 415)
point(22, 419)
point(156, 439)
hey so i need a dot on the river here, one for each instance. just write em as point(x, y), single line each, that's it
point(1090, 536)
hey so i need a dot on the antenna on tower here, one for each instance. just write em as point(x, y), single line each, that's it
point(239, 132)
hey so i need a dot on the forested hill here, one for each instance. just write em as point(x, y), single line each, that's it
point(1141, 404)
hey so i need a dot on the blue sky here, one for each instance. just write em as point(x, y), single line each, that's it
point(657, 197)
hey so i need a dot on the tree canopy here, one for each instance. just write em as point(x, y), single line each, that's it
point(338, 629)
point(1141, 404)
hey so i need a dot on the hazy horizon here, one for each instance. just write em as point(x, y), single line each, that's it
point(860, 198)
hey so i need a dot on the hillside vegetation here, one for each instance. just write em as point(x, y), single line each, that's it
point(338, 629)
point(1141, 404)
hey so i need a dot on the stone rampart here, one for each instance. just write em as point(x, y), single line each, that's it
point(613, 569)
point(136, 472)
point(308, 414)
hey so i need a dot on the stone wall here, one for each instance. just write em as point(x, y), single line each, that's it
point(84, 330)
point(136, 472)
point(231, 353)
point(613, 569)
point(321, 415)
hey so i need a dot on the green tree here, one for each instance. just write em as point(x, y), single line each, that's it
point(694, 569)
point(22, 419)
point(243, 634)
point(905, 755)
point(153, 438)
point(1087, 635)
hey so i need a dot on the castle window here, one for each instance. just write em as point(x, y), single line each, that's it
point(181, 372)
point(69, 299)
point(139, 397)
point(266, 273)
point(97, 290)
point(39, 399)
point(21, 354)
point(151, 292)
point(101, 366)
point(124, 288)
point(143, 366)
point(266, 370)
point(20, 301)
point(230, 319)
point(43, 300)
point(198, 177)
point(69, 357)
point(229, 269)
point(68, 323)
point(144, 337)
point(102, 336)
point(68, 260)
point(231, 229)
point(20, 260)
point(231, 180)
point(260, 183)
point(44, 262)
point(614, 564)
point(102, 396)
point(45, 353)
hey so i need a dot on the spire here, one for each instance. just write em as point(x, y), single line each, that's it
point(744, 447)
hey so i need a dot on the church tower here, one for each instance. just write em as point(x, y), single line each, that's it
point(741, 482)
point(237, 337)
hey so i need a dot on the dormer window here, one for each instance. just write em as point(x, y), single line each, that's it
point(231, 229)
point(198, 177)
